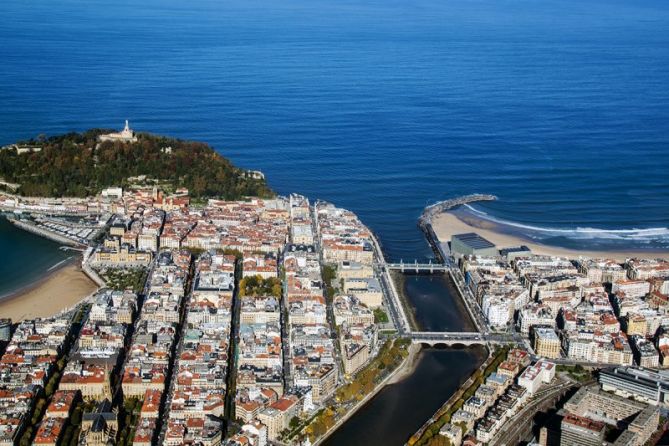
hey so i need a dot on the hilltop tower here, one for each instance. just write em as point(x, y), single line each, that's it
point(125, 135)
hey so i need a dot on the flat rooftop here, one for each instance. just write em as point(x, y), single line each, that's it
point(473, 240)
point(514, 249)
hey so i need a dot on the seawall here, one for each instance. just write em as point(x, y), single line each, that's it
point(44, 233)
point(90, 272)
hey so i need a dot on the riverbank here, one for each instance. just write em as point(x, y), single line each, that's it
point(455, 401)
point(409, 309)
point(447, 224)
point(405, 369)
point(62, 288)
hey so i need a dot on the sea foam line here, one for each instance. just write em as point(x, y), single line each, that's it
point(58, 264)
point(580, 232)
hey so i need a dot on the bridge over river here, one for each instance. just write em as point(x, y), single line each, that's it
point(416, 267)
point(462, 338)
point(395, 305)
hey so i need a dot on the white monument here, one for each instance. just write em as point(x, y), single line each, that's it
point(125, 135)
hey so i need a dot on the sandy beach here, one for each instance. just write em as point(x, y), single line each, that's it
point(448, 224)
point(58, 291)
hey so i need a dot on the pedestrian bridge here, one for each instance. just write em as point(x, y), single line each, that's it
point(416, 267)
point(462, 338)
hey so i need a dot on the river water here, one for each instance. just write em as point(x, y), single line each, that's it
point(400, 409)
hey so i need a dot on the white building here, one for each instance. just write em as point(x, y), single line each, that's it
point(537, 374)
point(125, 135)
point(112, 192)
point(631, 288)
point(498, 311)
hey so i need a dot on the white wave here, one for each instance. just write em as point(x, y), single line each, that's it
point(57, 265)
point(580, 233)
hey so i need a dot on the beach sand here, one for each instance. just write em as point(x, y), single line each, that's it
point(408, 366)
point(63, 289)
point(446, 224)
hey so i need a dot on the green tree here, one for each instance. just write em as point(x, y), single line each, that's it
point(74, 165)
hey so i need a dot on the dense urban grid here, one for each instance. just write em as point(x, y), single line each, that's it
point(595, 325)
point(251, 315)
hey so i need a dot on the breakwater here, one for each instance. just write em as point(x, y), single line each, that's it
point(437, 208)
point(43, 232)
point(441, 250)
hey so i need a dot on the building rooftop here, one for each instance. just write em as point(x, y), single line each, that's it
point(473, 240)
point(545, 333)
point(514, 249)
point(584, 423)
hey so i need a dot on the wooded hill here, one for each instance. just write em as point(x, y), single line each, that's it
point(75, 164)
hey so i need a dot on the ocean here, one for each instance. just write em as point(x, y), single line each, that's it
point(560, 108)
point(25, 258)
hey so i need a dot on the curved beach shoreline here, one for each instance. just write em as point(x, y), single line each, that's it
point(37, 281)
point(447, 224)
point(62, 288)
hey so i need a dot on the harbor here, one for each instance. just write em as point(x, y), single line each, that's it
point(42, 232)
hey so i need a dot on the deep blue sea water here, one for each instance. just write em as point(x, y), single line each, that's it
point(561, 108)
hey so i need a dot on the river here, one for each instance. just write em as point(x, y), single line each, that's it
point(400, 409)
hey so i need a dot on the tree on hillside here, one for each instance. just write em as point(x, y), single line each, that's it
point(75, 164)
